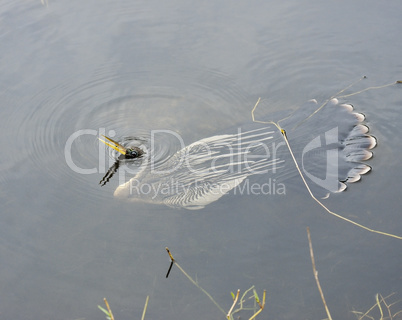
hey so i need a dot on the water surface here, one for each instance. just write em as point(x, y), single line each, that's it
point(196, 69)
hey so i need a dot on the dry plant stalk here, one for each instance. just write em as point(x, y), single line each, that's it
point(315, 272)
point(109, 313)
point(233, 305)
point(173, 261)
point(229, 314)
point(145, 308)
point(108, 309)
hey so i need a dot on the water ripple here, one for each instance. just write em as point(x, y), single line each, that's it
point(127, 106)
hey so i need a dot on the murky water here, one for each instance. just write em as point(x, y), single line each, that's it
point(128, 68)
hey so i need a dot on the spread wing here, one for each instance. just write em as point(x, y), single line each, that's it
point(330, 145)
point(216, 165)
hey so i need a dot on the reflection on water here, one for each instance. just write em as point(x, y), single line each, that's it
point(123, 69)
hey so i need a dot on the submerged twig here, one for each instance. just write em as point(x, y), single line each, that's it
point(242, 300)
point(369, 88)
point(316, 274)
point(337, 95)
point(194, 282)
point(171, 263)
point(377, 304)
point(326, 101)
point(230, 313)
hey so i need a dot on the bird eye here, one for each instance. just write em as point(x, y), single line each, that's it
point(132, 153)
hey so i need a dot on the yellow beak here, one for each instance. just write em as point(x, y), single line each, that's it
point(116, 146)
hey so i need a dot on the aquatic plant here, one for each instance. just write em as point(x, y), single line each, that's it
point(382, 309)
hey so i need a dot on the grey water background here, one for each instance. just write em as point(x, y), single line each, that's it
point(195, 68)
